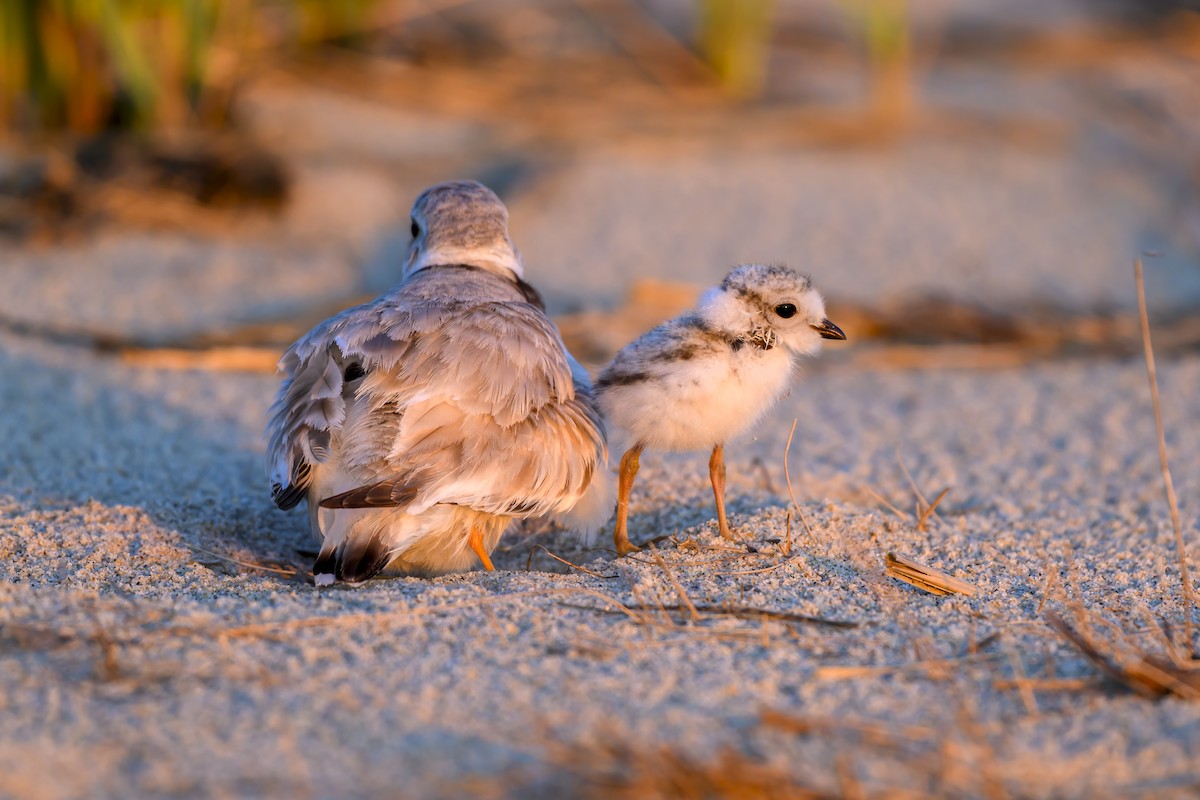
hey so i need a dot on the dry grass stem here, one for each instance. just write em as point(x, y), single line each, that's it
point(618, 606)
point(926, 751)
point(1046, 684)
point(585, 570)
point(1189, 591)
point(938, 667)
point(921, 501)
point(975, 646)
point(1021, 683)
point(736, 612)
point(1147, 674)
point(110, 666)
point(594, 647)
point(737, 551)
point(930, 509)
point(615, 769)
point(884, 501)
point(744, 612)
point(926, 578)
point(788, 477)
point(761, 570)
point(675, 584)
point(1051, 581)
point(275, 628)
point(1164, 635)
point(873, 733)
point(657, 605)
point(285, 571)
point(703, 562)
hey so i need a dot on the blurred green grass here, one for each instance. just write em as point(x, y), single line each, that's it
point(90, 65)
point(86, 65)
point(735, 40)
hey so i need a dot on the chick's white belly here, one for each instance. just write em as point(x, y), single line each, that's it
point(697, 404)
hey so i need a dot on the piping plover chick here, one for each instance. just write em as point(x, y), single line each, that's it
point(418, 425)
point(702, 378)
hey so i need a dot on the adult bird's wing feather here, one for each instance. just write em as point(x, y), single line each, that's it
point(313, 399)
point(309, 408)
point(485, 412)
point(469, 401)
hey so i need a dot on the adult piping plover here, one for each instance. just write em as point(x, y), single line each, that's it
point(698, 380)
point(417, 426)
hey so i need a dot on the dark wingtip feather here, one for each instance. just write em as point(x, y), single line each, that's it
point(286, 497)
point(326, 564)
point(351, 499)
point(360, 560)
point(384, 494)
point(354, 562)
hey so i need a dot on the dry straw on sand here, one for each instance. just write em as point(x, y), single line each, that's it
point(924, 577)
point(1189, 591)
point(1149, 674)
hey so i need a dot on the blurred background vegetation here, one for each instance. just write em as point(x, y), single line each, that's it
point(213, 175)
point(654, 137)
point(151, 93)
point(88, 65)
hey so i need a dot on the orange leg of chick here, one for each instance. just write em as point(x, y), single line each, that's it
point(629, 469)
point(716, 472)
point(476, 542)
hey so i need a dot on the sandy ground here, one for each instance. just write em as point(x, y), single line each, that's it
point(135, 662)
point(158, 637)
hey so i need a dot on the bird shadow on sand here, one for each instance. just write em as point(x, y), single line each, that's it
point(182, 448)
point(666, 508)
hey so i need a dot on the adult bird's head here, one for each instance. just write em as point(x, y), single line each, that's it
point(770, 306)
point(461, 223)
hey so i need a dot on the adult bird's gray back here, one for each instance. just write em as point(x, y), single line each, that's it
point(417, 426)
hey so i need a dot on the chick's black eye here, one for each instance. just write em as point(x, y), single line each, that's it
point(785, 310)
point(416, 229)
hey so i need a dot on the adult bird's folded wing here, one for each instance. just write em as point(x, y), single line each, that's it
point(384, 494)
point(485, 414)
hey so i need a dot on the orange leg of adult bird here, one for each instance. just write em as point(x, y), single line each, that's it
point(476, 542)
point(716, 472)
point(629, 469)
